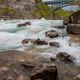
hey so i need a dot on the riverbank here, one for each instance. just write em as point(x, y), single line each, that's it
point(11, 66)
point(48, 38)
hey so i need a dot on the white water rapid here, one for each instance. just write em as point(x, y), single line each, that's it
point(11, 37)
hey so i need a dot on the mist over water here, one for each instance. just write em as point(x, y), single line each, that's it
point(11, 37)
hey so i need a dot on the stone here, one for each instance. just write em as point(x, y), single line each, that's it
point(40, 42)
point(55, 44)
point(8, 78)
point(27, 65)
point(61, 27)
point(26, 41)
point(74, 17)
point(4, 68)
point(22, 77)
point(24, 24)
point(73, 29)
point(45, 72)
point(77, 77)
point(65, 22)
point(51, 34)
point(52, 59)
point(65, 57)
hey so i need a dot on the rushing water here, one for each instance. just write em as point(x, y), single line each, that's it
point(11, 37)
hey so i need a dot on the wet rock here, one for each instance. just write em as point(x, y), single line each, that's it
point(24, 24)
point(36, 41)
point(55, 44)
point(45, 72)
point(51, 34)
point(61, 27)
point(65, 22)
point(27, 65)
point(25, 41)
point(8, 78)
point(4, 68)
point(40, 42)
point(2, 75)
point(22, 77)
point(52, 59)
point(77, 77)
point(73, 29)
point(74, 17)
point(64, 57)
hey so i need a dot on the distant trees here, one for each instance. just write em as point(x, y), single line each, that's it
point(8, 11)
point(45, 11)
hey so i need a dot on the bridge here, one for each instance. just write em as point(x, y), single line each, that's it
point(58, 3)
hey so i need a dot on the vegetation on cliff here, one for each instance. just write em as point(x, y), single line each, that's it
point(8, 9)
point(47, 12)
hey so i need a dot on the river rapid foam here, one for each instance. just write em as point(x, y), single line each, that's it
point(11, 37)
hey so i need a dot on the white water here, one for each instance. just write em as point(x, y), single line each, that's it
point(11, 37)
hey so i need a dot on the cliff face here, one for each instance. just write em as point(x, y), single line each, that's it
point(23, 8)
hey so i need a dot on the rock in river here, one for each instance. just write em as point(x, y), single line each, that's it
point(73, 29)
point(40, 42)
point(51, 34)
point(45, 72)
point(54, 44)
point(65, 57)
point(77, 77)
point(24, 24)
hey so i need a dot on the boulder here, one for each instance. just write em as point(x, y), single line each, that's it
point(52, 59)
point(73, 29)
point(25, 41)
point(65, 22)
point(65, 57)
point(40, 42)
point(27, 65)
point(54, 44)
point(61, 27)
point(34, 41)
point(51, 34)
point(45, 72)
point(77, 77)
point(8, 78)
point(24, 24)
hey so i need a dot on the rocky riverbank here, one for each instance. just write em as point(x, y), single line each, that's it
point(17, 65)
point(16, 9)
point(37, 49)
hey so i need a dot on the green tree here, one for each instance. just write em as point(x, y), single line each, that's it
point(7, 11)
point(43, 10)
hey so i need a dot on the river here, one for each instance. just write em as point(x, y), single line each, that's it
point(11, 37)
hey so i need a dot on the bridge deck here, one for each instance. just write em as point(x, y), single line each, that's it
point(58, 1)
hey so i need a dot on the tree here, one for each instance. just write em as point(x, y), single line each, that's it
point(37, 2)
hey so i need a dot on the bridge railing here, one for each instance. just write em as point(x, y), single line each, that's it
point(58, 3)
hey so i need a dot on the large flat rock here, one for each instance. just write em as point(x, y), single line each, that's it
point(73, 29)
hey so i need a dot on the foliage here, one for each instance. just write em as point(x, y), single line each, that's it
point(62, 13)
point(8, 11)
point(48, 13)
point(43, 10)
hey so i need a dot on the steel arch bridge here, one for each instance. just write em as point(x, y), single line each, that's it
point(58, 3)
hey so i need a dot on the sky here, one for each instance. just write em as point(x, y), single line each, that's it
point(73, 8)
